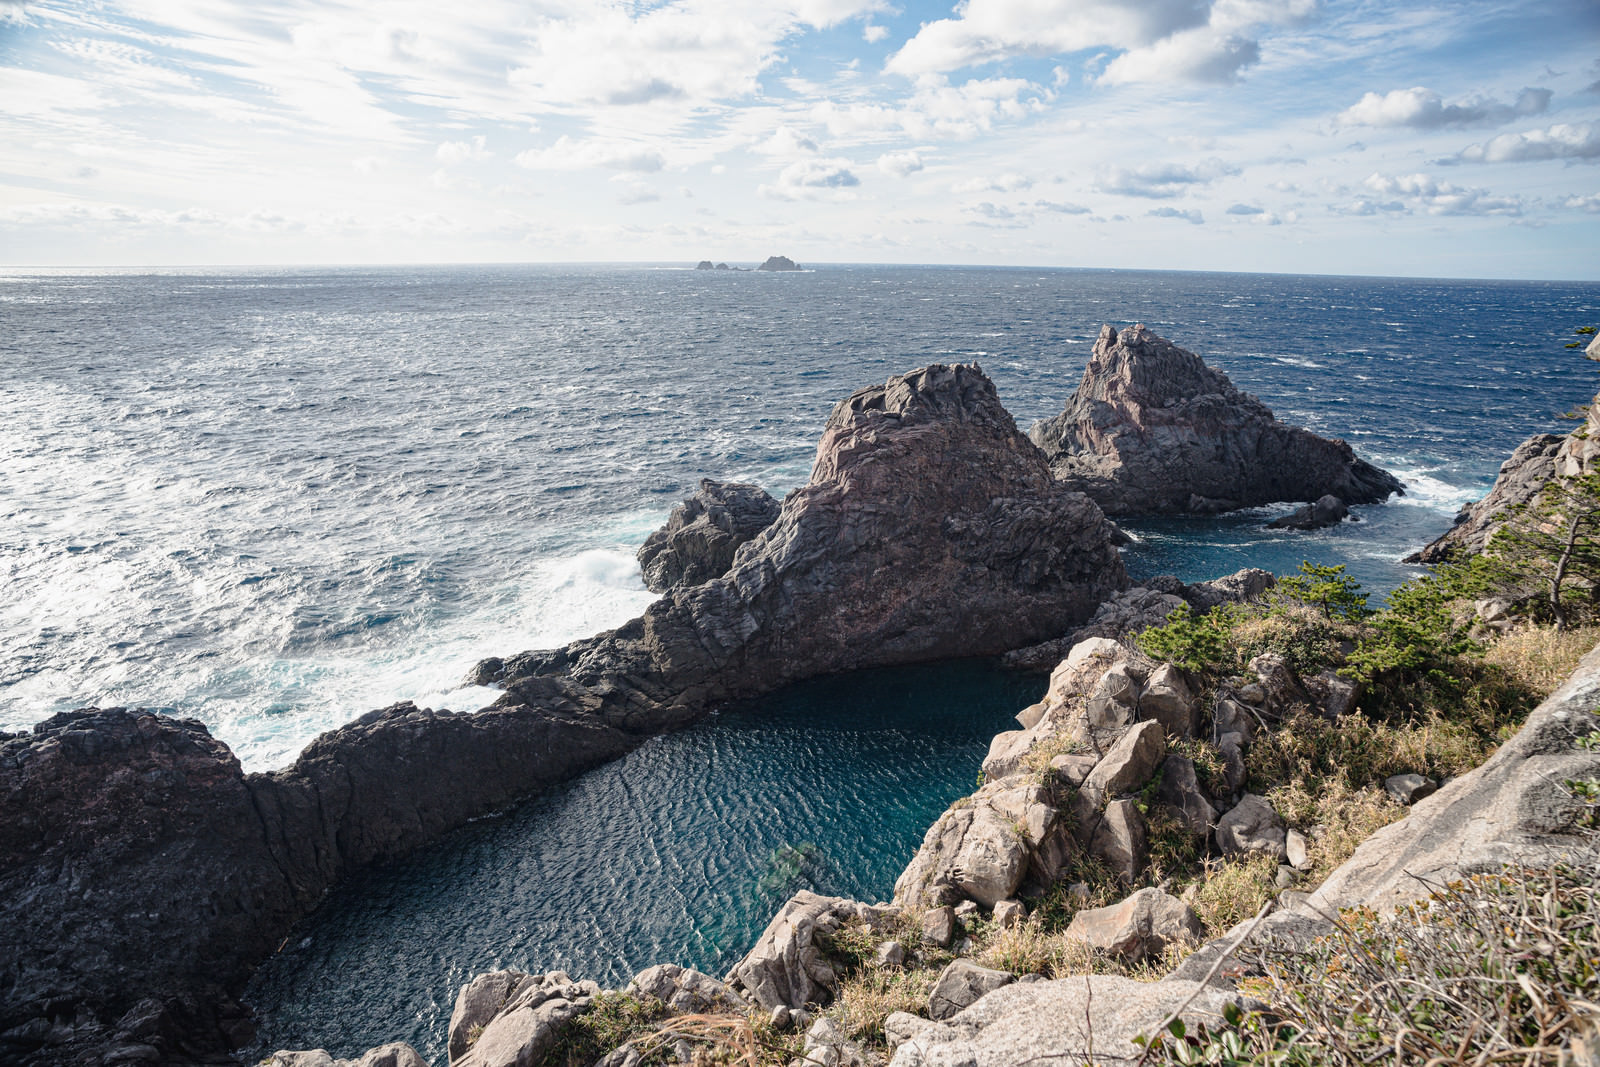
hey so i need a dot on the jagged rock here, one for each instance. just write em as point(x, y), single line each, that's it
point(1251, 826)
point(1180, 792)
point(1409, 788)
point(1073, 767)
point(704, 264)
point(1152, 429)
point(960, 984)
point(703, 533)
point(1296, 849)
point(929, 528)
point(1325, 511)
point(1051, 1022)
point(779, 263)
point(980, 848)
point(686, 990)
point(939, 926)
point(1167, 699)
point(1029, 716)
point(396, 1054)
point(787, 966)
point(1119, 840)
point(827, 1046)
point(1142, 925)
point(622, 1056)
point(1278, 680)
point(1231, 716)
point(902, 1026)
point(1334, 694)
point(891, 954)
point(1008, 913)
point(1130, 763)
point(511, 1019)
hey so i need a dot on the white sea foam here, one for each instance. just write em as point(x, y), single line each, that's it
point(1424, 490)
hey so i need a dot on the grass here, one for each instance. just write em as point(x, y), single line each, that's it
point(1539, 658)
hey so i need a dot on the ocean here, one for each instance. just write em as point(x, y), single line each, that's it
point(274, 499)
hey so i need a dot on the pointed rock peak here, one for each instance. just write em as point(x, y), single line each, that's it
point(958, 392)
point(1138, 364)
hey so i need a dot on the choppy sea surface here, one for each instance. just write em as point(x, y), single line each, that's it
point(274, 499)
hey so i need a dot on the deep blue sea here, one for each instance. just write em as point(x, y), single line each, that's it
point(274, 499)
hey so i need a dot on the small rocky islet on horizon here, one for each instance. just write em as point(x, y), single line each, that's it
point(1217, 771)
point(771, 263)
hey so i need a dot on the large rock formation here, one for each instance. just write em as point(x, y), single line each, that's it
point(1531, 467)
point(779, 263)
point(1152, 429)
point(702, 534)
point(930, 528)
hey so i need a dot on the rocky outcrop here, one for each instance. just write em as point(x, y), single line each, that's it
point(704, 264)
point(1152, 429)
point(1323, 512)
point(930, 528)
point(960, 984)
point(779, 263)
point(1142, 925)
point(397, 1054)
point(1082, 1019)
point(143, 867)
point(788, 967)
point(512, 1019)
point(702, 534)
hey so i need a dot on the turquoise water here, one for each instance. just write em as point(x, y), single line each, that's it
point(678, 853)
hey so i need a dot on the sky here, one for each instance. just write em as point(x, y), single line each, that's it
point(1445, 139)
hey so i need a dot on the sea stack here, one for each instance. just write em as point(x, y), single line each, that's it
point(1151, 429)
point(779, 263)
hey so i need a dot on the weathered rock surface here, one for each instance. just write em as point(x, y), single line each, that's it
point(1409, 788)
point(1142, 925)
point(980, 848)
point(787, 967)
point(1325, 511)
point(930, 528)
point(686, 990)
point(1057, 1022)
point(702, 534)
point(397, 1054)
point(1119, 839)
point(1252, 826)
point(512, 1019)
point(1181, 794)
point(960, 984)
point(1152, 429)
point(1129, 764)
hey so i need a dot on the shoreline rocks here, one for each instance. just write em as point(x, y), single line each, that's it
point(1151, 429)
point(702, 534)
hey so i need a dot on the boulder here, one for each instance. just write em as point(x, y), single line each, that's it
point(1278, 680)
point(939, 926)
point(1142, 925)
point(902, 1026)
point(1152, 429)
point(826, 1046)
point(1072, 768)
point(787, 966)
point(702, 534)
point(395, 1054)
point(1334, 694)
point(1119, 840)
point(1252, 826)
point(1297, 850)
point(1325, 511)
point(1242, 586)
point(511, 1019)
point(891, 954)
point(1234, 771)
point(1130, 763)
point(686, 990)
point(1009, 914)
point(1409, 788)
point(980, 848)
point(1181, 794)
point(960, 984)
point(1167, 699)
point(1065, 1021)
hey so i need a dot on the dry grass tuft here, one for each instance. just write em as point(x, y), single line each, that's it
point(1540, 658)
point(1233, 890)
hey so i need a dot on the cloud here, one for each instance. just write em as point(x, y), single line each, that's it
point(873, 34)
point(1193, 217)
point(995, 213)
point(451, 152)
point(1060, 208)
point(1203, 56)
point(567, 154)
point(811, 179)
point(936, 109)
point(1418, 108)
point(1162, 180)
point(1590, 203)
point(634, 191)
point(1008, 182)
point(1437, 198)
point(785, 143)
point(1572, 141)
point(1246, 209)
point(900, 164)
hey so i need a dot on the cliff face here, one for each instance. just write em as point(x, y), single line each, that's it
point(1152, 429)
point(929, 528)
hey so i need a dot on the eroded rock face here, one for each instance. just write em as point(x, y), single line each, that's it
point(930, 528)
point(686, 990)
point(1326, 510)
point(1143, 924)
point(512, 1019)
point(787, 967)
point(960, 984)
point(1152, 429)
point(702, 534)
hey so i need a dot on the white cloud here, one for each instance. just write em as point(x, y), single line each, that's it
point(1245, 209)
point(900, 164)
point(567, 154)
point(1580, 141)
point(1008, 182)
point(633, 191)
point(1060, 207)
point(1193, 217)
point(1162, 180)
point(785, 143)
point(936, 110)
point(1201, 55)
point(811, 179)
point(1440, 198)
point(1418, 108)
point(1590, 203)
point(872, 34)
point(452, 152)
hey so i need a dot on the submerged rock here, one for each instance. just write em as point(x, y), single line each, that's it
point(702, 534)
point(1152, 429)
point(1325, 511)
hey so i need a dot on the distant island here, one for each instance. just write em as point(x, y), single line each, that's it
point(772, 263)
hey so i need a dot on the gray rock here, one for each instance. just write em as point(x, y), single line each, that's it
point(1287, 877)
point(1275, 676)
point(1231, 747)
point(1296, 850)
point(1119, 840)
point(1242, 586)
point(787, 965)
point(1326, 510)
point(939, 926)
point(1130, 763)
point(529, 1022)
point(702, 534)
point(961, 984)
point(1166, 699)
point(1151, 429)
point(780, 1017)
point(1057, 1022)
point(1029, 716)
point(1073, 767)
point(1232, 716)
point(1252, 826)
point(1142, 925)
point(902, 1026)
point(1335, 695)
point(1112, 705)
point(891, 954)
point(981, 848)
point(1180, 791)
point(1008, 914)
point(686, 990)
point(1410, 788)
